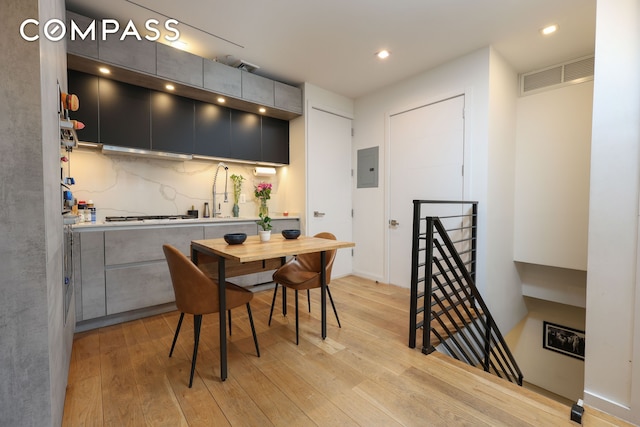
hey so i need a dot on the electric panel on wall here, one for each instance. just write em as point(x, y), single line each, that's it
point(368, 167)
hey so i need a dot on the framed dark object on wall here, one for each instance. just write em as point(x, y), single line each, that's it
point(563, 339)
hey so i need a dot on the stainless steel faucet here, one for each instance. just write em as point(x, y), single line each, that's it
point(226, 194)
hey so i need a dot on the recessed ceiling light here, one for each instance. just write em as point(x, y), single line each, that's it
point(549, 29)
point(179, 44)
point(104, 70)
point(383, 54)
point(170, 87)
point(262, 110)
point(221, 100)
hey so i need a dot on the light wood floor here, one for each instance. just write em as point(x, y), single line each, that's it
point(362, 375)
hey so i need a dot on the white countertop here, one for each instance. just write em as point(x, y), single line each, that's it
point(95, 226)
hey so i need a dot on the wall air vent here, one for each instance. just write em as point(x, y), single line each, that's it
point(573, 72)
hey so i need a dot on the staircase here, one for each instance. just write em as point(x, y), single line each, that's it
point(445, 303)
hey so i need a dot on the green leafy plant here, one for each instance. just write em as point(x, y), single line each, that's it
point(264, 222)
point(237, 187)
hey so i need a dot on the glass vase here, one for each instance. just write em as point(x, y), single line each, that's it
point(264, 209)
point(235, 210)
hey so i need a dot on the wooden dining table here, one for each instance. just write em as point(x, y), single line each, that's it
point(254, 256)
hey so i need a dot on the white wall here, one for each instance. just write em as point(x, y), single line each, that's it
point(294, 175)
point(502, 290)
point(556, 284)
point(556, 372)
point(485, 133)
point(612, 369)
point(551, 215)
point(552, 176)
point(468, 75)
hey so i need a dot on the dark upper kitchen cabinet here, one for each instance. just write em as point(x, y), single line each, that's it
point(85, 86)
point(213, 130)
point(117, 113)
point(275, 140)
point(245, 136)
point(125, 118)
point(172, 123)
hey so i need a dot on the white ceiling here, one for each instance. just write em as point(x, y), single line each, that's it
point(331, 43)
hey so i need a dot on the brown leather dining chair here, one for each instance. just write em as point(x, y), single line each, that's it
point(303, 273)
point(197, 294)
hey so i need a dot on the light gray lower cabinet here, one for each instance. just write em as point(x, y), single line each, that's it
point(178, 65)
point(119, 271)
point(222, 79)
point(263, 277)
point(257, 89)
point(288, 97)
point(217, 231)
point(284, 224)
point(136, 272)
point(90, 282)
point(145, 244)
point(133, 287)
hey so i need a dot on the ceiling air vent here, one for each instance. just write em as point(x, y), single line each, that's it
point(573, 72)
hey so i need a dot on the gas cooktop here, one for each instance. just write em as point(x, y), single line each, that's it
point(145, 217)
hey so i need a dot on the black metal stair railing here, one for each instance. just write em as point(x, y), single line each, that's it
point(445, 302)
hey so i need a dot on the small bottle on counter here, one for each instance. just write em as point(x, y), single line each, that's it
point(206, 210)
point(90, 212)
point(82, 207)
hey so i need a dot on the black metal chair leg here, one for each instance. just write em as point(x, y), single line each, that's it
point(284, 300)
point(229, 312)
point(175, 337)
point(334, 307)
point(197, 322)
point(273, 302)
point(253, 330)
point(309, 300)
point(296, 291)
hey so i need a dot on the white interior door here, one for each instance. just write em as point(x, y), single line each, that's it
point(426, 147)
point(329, 181)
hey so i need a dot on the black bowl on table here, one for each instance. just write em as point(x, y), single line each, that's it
point(291, 234)
point(235, 238)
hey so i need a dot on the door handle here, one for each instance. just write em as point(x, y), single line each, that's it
point(393, 223)
point(318, 214)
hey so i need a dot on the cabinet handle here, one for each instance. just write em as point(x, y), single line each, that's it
point(393, 223)
point(318, 214)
